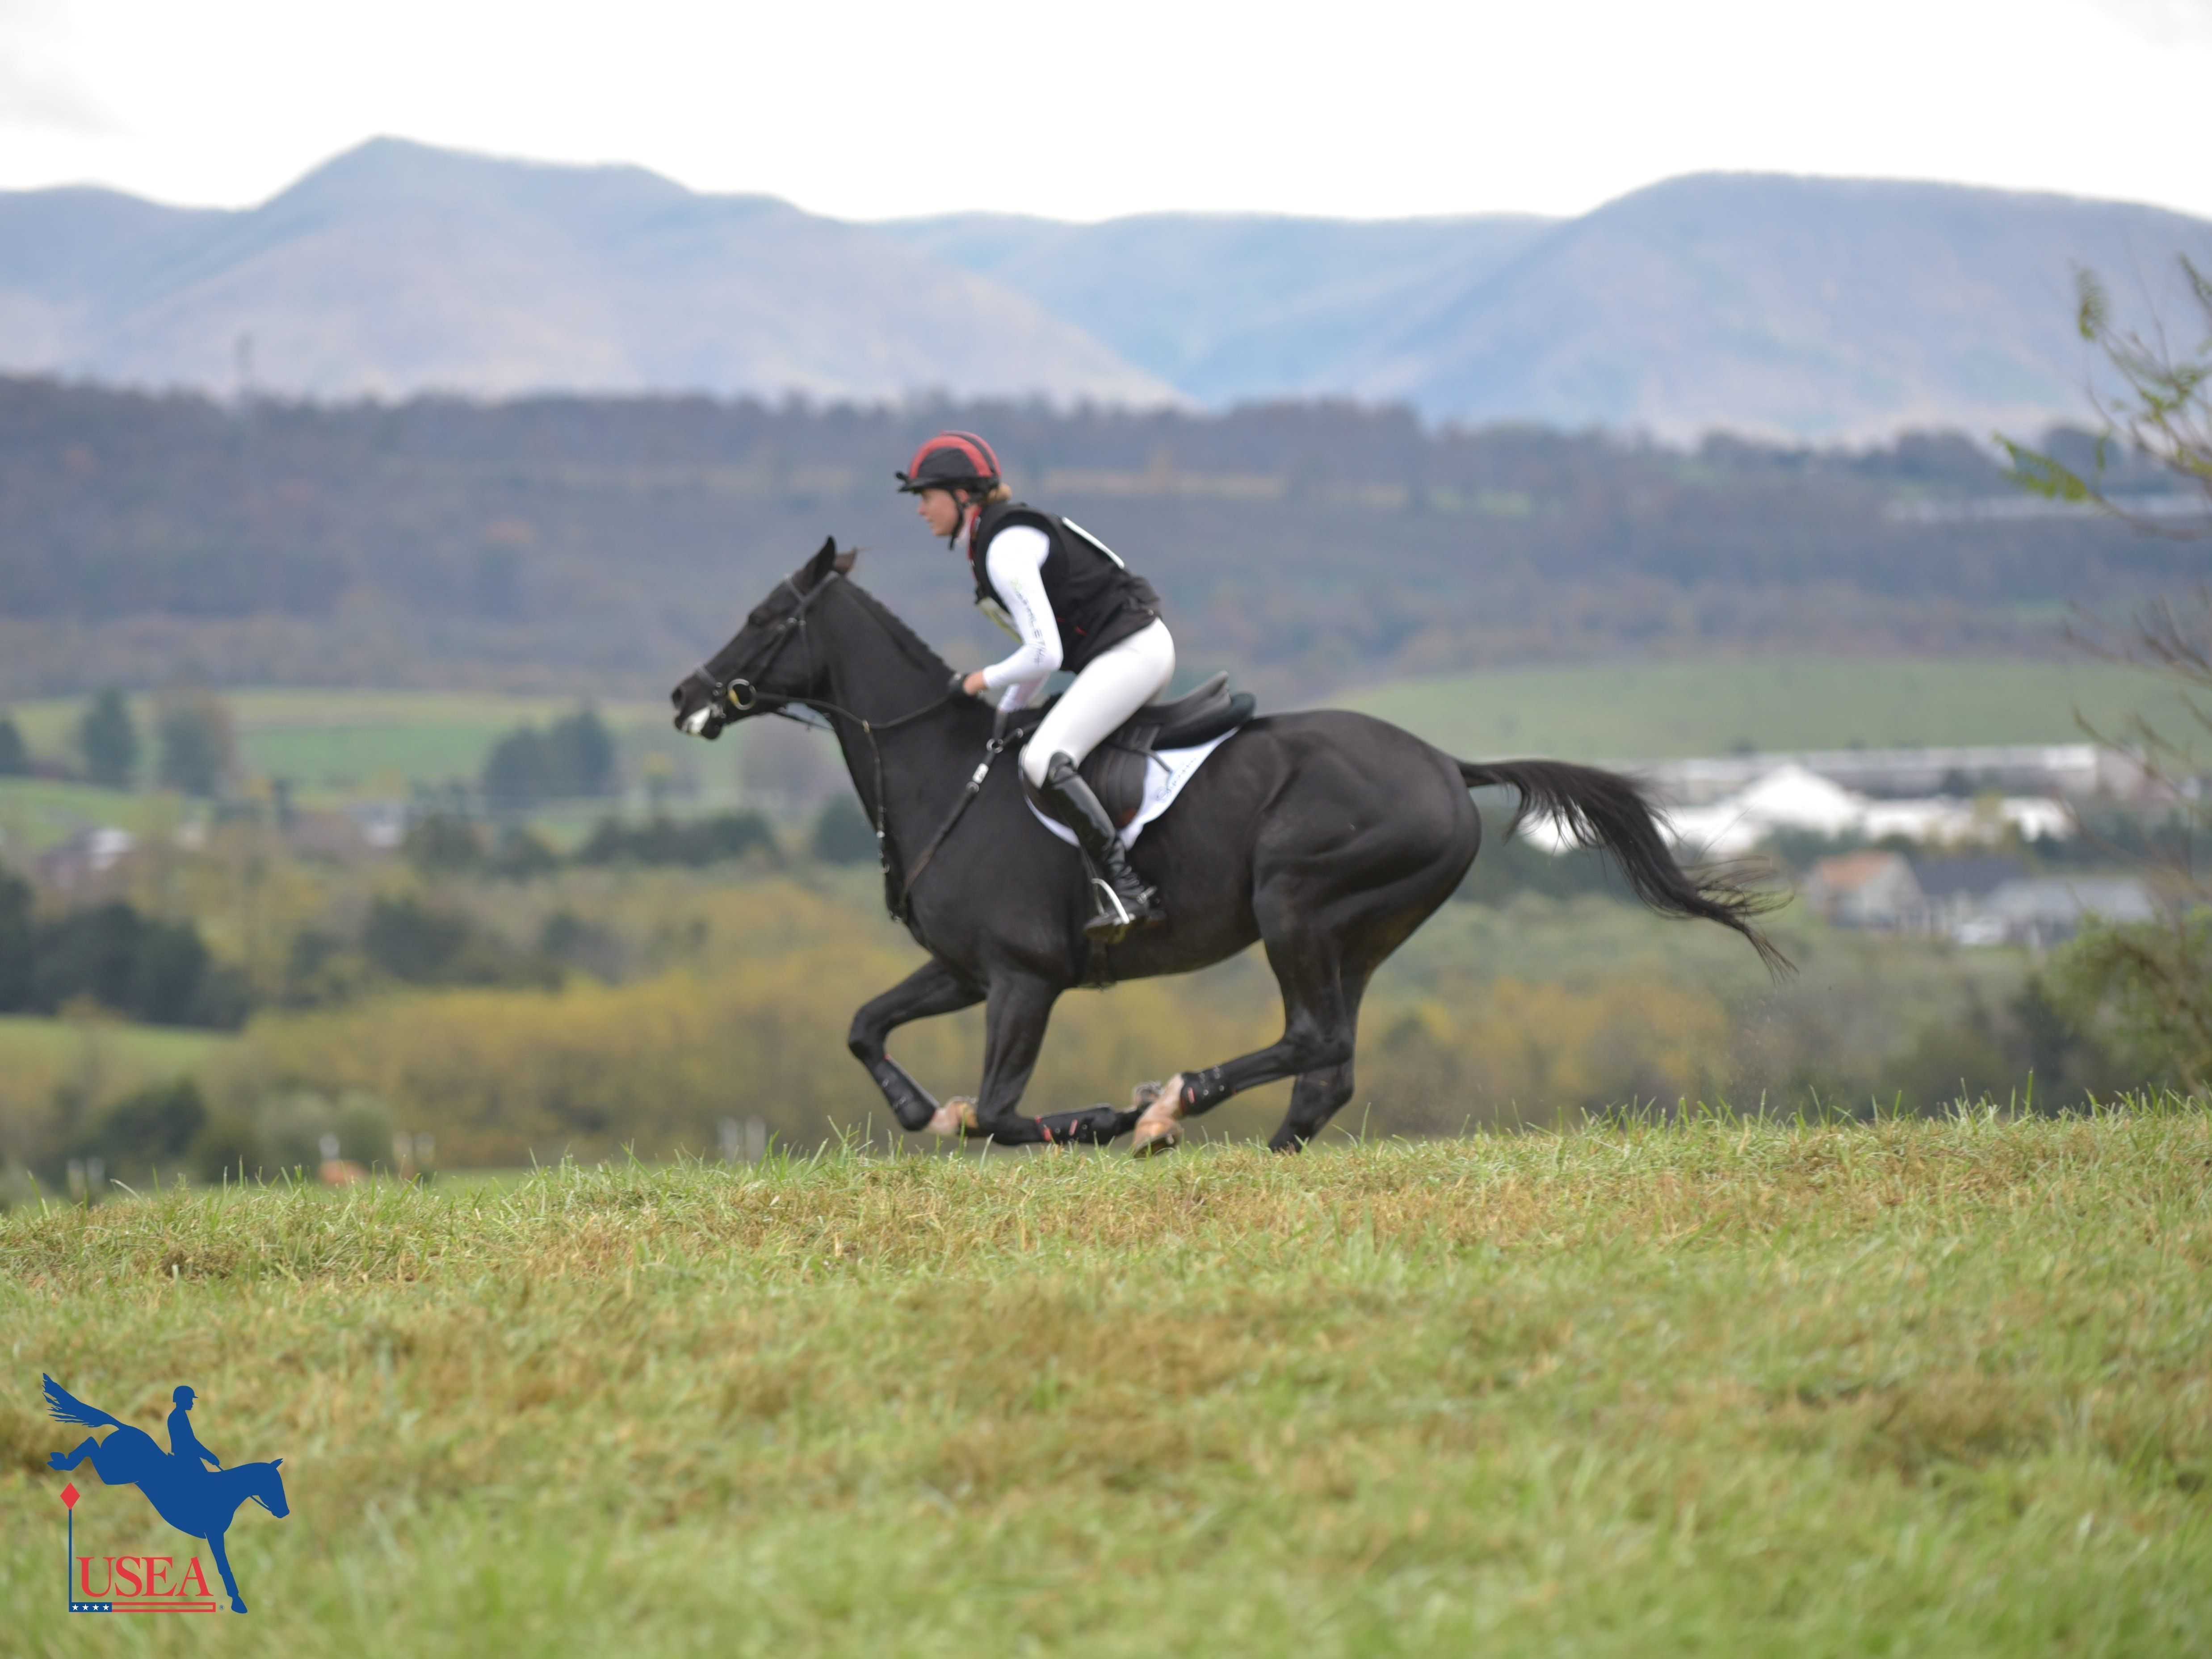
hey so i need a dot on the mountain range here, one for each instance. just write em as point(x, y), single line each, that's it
point(1778, 307)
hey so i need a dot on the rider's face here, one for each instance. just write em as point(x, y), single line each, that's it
point(939, 510)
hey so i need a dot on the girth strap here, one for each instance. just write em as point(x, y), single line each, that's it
point(898, 906)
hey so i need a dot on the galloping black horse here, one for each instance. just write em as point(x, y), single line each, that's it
point(1328, 837)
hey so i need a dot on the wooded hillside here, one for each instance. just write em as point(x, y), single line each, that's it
point(605, 544)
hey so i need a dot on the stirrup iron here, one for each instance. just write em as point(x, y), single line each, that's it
point(1122, 902)
point(1111, 919)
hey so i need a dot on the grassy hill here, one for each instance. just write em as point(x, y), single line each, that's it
point(343, 740)
point(101, 1059)
point(1662, 710)
point(37, 813)
point(1726, 1387)
point(154, 1050)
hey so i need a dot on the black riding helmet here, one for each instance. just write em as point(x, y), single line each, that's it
point(952, 460)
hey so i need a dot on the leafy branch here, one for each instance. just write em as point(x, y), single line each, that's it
point(2163, 409)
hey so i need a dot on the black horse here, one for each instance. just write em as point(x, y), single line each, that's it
point(1328, 837)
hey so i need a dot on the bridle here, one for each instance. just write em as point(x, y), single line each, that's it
point(744, 696)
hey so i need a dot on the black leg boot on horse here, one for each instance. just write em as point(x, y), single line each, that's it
point(1124, 903)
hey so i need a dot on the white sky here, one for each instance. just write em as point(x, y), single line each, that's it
point(1361, 107)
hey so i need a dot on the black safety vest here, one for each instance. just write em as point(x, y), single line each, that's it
point(1097, 600)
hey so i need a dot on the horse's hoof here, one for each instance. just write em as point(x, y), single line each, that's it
point(1154, 1138)
point(57, 1461)
point(236, 1605)
point(1160, 1128)
point(955, 1117)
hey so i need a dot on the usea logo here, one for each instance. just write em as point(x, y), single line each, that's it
point(188, 1487)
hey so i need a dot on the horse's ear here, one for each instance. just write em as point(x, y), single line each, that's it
point(820, 567)
point(845, 561)
point(275, 1462)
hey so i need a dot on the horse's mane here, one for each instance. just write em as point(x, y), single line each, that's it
point(911, 645)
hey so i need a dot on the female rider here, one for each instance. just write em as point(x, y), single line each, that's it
point(1070, 603)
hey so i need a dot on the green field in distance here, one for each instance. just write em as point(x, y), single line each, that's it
point(1664, 710)
point(102, 1058)
point(380, 742)
point(156, 1049)
point(352, 740)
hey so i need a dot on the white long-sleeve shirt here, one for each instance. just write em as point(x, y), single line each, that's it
point(1016, 563)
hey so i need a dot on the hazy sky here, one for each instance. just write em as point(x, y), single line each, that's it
point(1371, 108)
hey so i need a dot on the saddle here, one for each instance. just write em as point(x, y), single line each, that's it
point(1115, 768)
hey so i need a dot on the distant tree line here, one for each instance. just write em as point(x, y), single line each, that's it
point(149, 1136)
point(158, 1133)
point(605, 542)
point(196, 751)
point(574, 759)
point(113, 955)
point(448, 844)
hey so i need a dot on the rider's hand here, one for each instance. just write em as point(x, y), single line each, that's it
point(975, 685)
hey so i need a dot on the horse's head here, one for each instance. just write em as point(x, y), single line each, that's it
point(768, 662)
point(268, 1489)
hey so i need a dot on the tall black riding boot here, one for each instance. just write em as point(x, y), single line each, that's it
point(1124, 902)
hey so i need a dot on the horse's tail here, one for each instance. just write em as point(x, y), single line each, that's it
point(68, 1409)
point(1602, 809)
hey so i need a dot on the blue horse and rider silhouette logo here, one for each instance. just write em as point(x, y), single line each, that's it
point(187, 1484)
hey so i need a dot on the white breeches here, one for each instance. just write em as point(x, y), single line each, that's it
point(1113, 685)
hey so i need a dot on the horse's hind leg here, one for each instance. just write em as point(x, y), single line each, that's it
point(69, 1460)
point(1321, 1009)
point(1315, 1098)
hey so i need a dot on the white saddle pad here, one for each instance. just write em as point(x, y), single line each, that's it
point(1166, 771)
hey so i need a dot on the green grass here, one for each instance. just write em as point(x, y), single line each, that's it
point(1660, 710)
point(39, 813)
point(102, 1058)
point(326, 740)
point(1729, 1387)
point(165, 1050)
point(343, 740)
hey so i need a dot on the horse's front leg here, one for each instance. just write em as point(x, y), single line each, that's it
point(1020, 1007)
point(222, 1566)
point(932, 988)
point(69, 1460)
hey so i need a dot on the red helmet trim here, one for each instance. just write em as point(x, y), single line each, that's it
point(980, 455)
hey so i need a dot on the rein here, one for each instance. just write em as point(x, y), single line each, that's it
point(745, 697)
